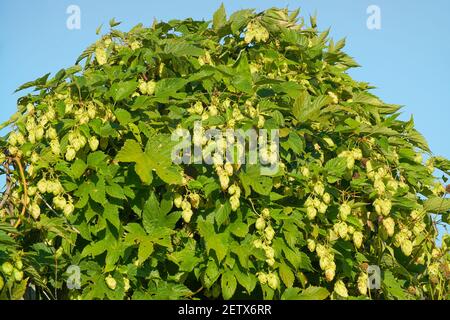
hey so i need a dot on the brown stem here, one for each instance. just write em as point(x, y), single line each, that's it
point(194, 293)
point(8, 187)
point(25, 191)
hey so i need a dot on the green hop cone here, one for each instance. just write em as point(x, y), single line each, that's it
point(7, 268)
point(344, 211)
point(262, 278)
point(2, 283)
point(362, 283)
point(18, 275)
point(177, 200)
point(272, 281)
point(311, 245)
point(93, 143)
point(407, 247)
point(19, 264)
point(260, 223)
point(340, 289)
point(111, 282)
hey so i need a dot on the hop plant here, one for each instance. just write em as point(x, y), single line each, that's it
point(90, 169)
point(340, 289)
point(362, 283)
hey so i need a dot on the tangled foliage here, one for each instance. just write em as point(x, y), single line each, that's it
point(90, 181)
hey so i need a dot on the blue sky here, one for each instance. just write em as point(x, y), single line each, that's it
point(407, 59)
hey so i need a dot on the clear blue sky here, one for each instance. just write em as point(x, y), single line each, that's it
point(407, 59)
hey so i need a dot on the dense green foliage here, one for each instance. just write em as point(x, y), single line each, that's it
point(90, 181)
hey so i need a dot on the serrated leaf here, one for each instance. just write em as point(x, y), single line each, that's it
point(180, 48)
point(246, 280)
point(115, 190)
point(295, 142)
point(239, 229)
point(123, 89)
point(123, 116)
point(222, 212)
point(216, 242)
point(336, 167)
point(286, 275)
point(111, 213)
point(154, 216)
point(229, 284)
point(262, 185)
point(78, 168)
point(393, 286)
point(219, 18)
point(305, 108)
point(132, 152)
point(98, 192)
point(437, 205)
point(96, 159)
point(113, 23)
point(313, 293)
point(145, 249)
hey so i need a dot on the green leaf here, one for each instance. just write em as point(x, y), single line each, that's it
point(98, 192)
point(239, 19)
point(154, 216)
point(242, 83)
point(366, 98)
point(262, 185)
point(290, 294)
point(159, 157)
point(247, 280)
point(393, 286)
point(96, 159)
point(123, 116)
point(336, 167)
point(442, 164)
point(36, 83)
point(229, 284)
point(418, 140)
point(122, 90)
point(214, 241)
point(145, 249)
point(295, 142)
point(181, 48)
point(437, 205)
point(113, 23)
point(132, 152)
point(78, 168)
point(313, 293)
point(168, 87)
point(116, 191)
point(222, 212)
point(211, 273)
point(239, 229)
point(111, 213)
point(168, 291)
point(96, 248)
point(219, 18)
point(286, 275)
point(186, 259)
point(305, 109)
